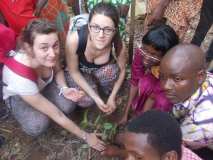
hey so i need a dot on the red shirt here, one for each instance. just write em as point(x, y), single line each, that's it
point(18, 13)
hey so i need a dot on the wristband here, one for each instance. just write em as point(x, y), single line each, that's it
point(62, 90)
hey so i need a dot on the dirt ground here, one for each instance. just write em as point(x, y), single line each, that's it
point(56, 143)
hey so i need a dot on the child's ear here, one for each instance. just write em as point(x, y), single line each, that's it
point(171, 155)
point(201, 76)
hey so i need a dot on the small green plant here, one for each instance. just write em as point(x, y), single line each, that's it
point(84, 123)
point(100, 125)
point(109, 131)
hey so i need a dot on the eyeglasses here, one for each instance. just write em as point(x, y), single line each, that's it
point(148, 55)
point(106, 30)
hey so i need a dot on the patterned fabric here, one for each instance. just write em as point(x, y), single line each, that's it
point(196, 116)
point(57, 11)
point(179, 13)
point(90, 68)
point(102, 78)
point(148, 85)
point(117, 3)
point(187, 154)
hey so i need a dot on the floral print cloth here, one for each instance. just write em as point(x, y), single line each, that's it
point(179, 13)
point(57, 11)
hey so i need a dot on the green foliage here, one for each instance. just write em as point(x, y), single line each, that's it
point(84, 123)
point(100, 125)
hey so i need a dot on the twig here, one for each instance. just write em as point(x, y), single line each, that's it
point(5, 130)
point(93, 155)
point(89, 154)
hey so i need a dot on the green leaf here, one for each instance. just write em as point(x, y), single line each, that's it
point(84, 122)
point(83, 125)
point(97, 120)
point(85, 119)
point(108, 126)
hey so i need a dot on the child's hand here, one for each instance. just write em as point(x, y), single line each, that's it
point(73, 94)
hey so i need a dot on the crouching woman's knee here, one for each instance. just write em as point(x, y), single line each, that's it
point(37, 127)
point(86, 101)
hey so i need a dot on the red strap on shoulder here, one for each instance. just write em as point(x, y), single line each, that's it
point(21, 69)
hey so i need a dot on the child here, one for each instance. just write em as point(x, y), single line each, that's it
point(145, 91)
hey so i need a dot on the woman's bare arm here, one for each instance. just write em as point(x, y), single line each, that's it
point(73, 67)
point(46, 107)
point(121, 60)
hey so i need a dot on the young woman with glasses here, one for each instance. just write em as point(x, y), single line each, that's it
point(93, 60)
point(145, 91)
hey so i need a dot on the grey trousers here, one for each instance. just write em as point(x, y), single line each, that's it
point(33, 122)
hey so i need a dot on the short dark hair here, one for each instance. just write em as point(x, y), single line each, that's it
point(164, 133)
point(161, 37)
point(37, 26)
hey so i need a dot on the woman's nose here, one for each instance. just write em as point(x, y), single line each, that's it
point(52, 52)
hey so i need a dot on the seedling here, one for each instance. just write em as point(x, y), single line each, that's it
point(106, 129)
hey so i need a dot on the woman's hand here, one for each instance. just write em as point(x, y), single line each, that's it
point(73, 94)
point(111, 104)
point(103, 107)
point(154, 18)
point(94, 142)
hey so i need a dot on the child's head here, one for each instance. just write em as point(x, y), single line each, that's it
point(40, 40)
point(103, 25)
point(182, 71)
point(155, 135)
point(156, 42)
